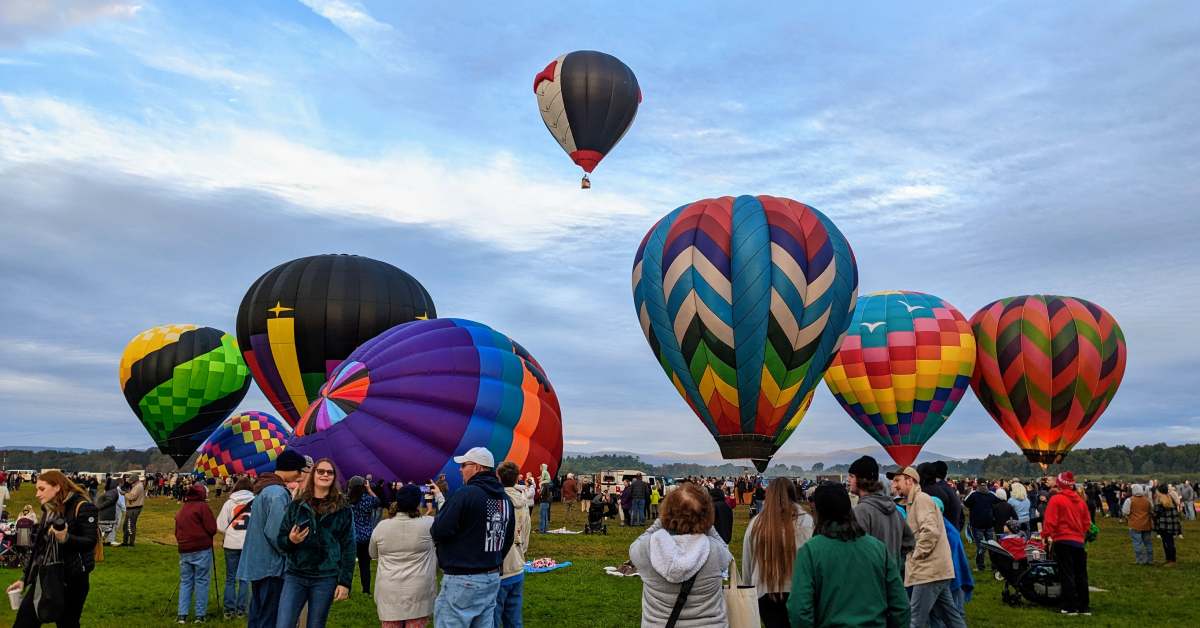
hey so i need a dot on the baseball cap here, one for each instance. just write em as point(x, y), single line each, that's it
point(865, 467)
point(909, 471)
point(479, 455)
point(308, 463)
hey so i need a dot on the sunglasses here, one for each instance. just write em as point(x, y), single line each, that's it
point(325, 472)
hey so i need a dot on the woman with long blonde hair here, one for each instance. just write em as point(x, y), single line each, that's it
point(769, 549)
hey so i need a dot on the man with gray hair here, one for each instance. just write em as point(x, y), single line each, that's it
point(1138, 510)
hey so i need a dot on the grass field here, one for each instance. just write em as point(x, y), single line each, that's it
point(136, 586)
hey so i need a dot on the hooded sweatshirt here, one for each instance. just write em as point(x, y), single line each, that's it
point(664, 561)
point(1067, 518)
point(195, 526)
point(234, 518)
point(474, 530)
point(877, 515)
point(514, 561)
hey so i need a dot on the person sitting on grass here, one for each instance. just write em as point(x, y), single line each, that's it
point(195, 528)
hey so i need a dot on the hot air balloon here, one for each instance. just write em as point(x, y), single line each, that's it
point(744, 302)
point(244, 444)
point(1047, 368)
point(409, 400)
point(906, 361)
point(181, 381)
point(301, 319)
point(587, 99)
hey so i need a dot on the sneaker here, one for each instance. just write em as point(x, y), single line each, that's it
point(182, 619)
point(227, 615)
point(199, 620)
point(115, 544)
point(1068, 613)
point(1086, 613)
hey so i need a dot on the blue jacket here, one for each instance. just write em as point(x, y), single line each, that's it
point(473, 531)
point(962, 565)
point(261, 557)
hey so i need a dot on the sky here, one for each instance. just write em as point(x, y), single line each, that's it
point(156, 158)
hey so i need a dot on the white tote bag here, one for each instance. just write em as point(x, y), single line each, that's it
point(741, 601)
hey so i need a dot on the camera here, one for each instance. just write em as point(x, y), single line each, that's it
point(59, 524)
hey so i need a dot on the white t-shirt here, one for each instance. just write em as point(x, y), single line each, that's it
point(4, 495)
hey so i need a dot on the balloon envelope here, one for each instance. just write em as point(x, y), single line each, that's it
point(409, 400)
point(1047, 367)
point(301, 319)
point(744, 302)
point(246, 443)
point(587, 99)
point(181, 381)
point(906, 361)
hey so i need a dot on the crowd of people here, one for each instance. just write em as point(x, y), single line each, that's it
point(879, 550)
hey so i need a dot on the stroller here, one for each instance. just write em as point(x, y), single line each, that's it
point(16, 542)
point(597, 513)
point(1022, 566)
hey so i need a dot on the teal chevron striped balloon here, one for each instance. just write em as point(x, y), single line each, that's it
point(744, 302)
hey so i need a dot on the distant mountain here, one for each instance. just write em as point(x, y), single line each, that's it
point(806, 460)
point(73, 450)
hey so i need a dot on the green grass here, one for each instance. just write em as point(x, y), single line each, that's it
point(136, 586)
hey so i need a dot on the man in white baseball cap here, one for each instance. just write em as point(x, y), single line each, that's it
point(472, 532)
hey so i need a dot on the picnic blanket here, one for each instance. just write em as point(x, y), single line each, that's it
point(563, 531)
point(543, 565)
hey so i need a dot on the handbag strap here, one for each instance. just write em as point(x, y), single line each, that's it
point(684, 589)
point(733, 575)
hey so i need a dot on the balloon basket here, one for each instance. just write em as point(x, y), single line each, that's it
point(586, 183)
point(756, 447)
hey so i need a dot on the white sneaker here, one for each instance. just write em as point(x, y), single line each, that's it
point(115, 544)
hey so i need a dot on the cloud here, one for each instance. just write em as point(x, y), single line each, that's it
point(495, 199)
point(21, 20)
point(376, 38)
point(194, 66)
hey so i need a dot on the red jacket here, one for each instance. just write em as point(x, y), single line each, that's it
point(1067, 517)
point(195, 525)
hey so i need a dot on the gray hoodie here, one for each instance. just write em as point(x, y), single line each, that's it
point(665, 561)
point(877, 515)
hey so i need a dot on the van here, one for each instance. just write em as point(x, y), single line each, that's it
point(615, 478)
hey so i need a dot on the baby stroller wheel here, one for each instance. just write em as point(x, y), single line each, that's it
point(998, 576)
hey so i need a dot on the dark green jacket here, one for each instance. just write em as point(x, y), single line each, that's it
point(329, 548)
point(847, 583)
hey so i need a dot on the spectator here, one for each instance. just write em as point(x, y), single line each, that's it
point(545, 496)
point(570, 497)
point(981, 504)
point(119, 522)
point(680, 560)
point(262, 562)
point(135, 499)
point(317, 537)
point(1066, 526)
point(875, 513)
point(935, 486)
point(655, 498)
point(1138, 511)
point(1166, 522)
point(639, 495)
point(69, 520)
point(231, 523)
point(1019, 500)
point(843, 576)
point(195, 528)
point(1002, 512)
point(769, 550)
point(512, 573)
point(627, 504)
point(473, 533)
point(363, 503)
point(929, 568)
point(722, 514)
point(406, 581)
point(106, 509)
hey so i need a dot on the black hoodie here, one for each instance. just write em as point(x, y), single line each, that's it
point(473, 531)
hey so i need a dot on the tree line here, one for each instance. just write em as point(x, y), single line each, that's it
point(1145, 460)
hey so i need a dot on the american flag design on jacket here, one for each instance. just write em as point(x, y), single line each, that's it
point(499, 512)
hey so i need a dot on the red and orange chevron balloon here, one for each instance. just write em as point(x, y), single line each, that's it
point(1047, 366)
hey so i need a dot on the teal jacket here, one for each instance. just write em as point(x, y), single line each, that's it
point(847, 583)
point(328, 550)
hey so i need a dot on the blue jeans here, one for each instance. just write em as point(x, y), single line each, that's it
point(638, 518)
point(237, 592)
point(934, 601)
point(543, 516)
point(978, 536)
point(195, 573)
point(508, 602)
point(1143, 546)
point(264, 602)
point(467, 601)
point(298, 591)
